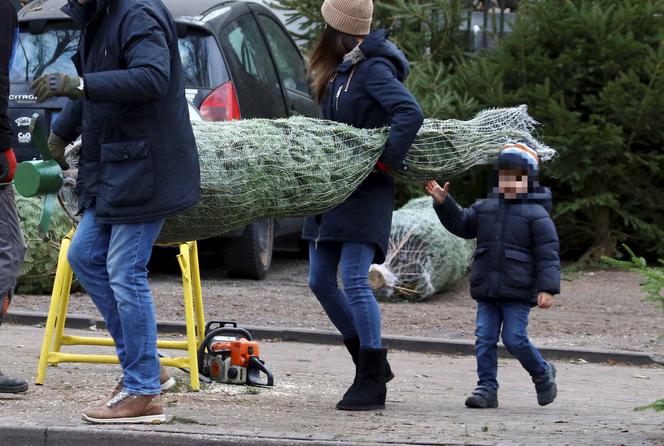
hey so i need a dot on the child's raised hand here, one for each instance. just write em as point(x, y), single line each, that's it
point(544, 300)
point(438, 193)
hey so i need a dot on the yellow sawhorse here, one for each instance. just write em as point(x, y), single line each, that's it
point(55, 338)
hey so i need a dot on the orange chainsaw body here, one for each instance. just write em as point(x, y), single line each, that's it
point(241, 350)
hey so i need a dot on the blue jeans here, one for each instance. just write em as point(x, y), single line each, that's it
point(353, 309)
point(513, 318)
point(111, 261)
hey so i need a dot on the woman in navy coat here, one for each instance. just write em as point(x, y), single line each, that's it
point(358, 79)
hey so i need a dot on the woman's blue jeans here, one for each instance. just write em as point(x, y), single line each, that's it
point(353, 309)
point(111, 261)
point(512, 319)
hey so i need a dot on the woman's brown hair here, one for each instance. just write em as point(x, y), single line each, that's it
point(326, 57)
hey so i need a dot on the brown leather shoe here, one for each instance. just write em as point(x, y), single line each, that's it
point(125, 408)
point(166, 381)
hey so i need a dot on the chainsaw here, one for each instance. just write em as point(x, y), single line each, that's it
point(228, 354)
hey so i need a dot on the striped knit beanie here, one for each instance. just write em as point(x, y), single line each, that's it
point(519, 154)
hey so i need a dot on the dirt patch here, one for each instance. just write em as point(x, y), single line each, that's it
point(596, 309)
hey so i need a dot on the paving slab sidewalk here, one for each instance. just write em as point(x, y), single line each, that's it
point(425, 403)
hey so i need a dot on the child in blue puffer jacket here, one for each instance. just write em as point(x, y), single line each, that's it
point(516, 266)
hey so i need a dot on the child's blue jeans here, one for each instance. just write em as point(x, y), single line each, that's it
point(353, 309)
point(111, 261)
point(512, 317)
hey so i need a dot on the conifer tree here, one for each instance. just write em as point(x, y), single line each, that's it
point(593, 73)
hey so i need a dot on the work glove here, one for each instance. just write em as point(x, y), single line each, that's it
point(7, 166)
point(56, 145)
point(57, 84)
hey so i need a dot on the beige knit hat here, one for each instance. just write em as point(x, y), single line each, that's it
point(349, 16)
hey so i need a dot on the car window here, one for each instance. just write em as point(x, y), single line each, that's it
point(48, 52)
point(248, 45)
point(51, 51)
point(287, 58)
point(202, 63)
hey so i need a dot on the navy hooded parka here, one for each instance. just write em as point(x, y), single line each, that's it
point(517, 254)
point(368, 92)
point(138, 157)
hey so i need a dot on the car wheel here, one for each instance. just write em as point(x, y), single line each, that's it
point(250, 255)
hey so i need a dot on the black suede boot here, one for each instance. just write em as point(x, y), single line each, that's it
point(368, 391)
point(353, 346)
point(12, 385)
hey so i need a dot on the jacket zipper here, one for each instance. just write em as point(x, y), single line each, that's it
point(501, 245)
point(344, 88)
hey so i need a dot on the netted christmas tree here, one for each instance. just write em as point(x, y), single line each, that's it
point(423, 257)
point(259, 169)
point(41, 256)
point(262, 169)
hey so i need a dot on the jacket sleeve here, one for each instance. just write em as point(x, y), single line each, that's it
point(460, 222)
point(8, 34)
point(68, 123)
point(405, 113)
point(546, 248)
point(145, 50)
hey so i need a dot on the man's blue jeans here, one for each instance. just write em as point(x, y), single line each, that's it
point(111, 261)
point(353, 309)
point(513, 318)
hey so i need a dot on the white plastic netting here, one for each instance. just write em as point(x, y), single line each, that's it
point(269, 168)
point(423, 258)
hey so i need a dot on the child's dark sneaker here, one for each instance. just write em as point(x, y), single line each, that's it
point(546, 387)
point(483, 398)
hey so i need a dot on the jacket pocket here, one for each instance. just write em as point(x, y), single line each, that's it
point(519, 269)
point(480, 266)
point(128, 175)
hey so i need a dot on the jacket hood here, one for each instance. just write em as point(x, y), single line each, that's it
point(541, 195)
point(377, 44)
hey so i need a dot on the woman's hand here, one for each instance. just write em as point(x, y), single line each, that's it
point(438, 193)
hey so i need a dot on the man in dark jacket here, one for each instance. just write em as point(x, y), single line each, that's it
point(12, 247)
point(138, 165)
point(516, 266)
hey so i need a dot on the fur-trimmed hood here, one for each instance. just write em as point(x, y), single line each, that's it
point(377, 44)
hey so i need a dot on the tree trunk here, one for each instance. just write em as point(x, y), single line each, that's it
point(604, 244)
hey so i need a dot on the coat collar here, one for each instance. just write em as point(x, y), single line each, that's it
point(377, 44)
point(368, 47)
point(80, 14)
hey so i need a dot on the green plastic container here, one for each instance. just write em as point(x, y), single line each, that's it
point(34, 178)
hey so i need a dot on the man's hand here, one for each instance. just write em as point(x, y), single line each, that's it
point(56, 146)
point(7, 166)
point(438, 193)
point(544, 300)
point(57, 84)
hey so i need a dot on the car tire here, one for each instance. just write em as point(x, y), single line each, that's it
point(250, 255)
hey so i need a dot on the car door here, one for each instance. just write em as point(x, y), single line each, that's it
point(254, 76)
point(290, 68)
